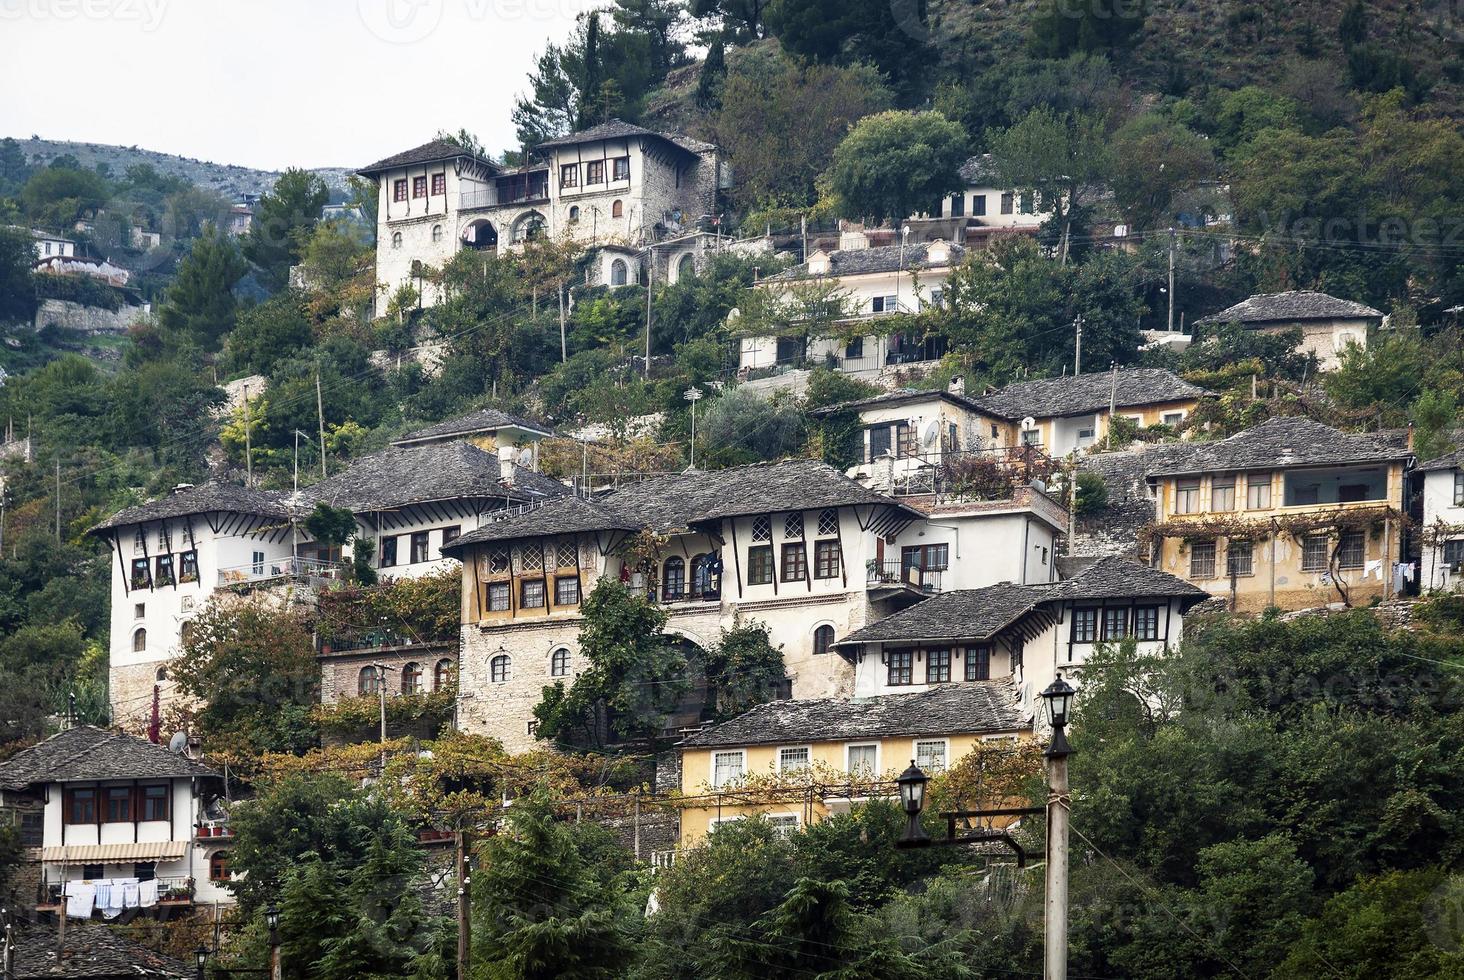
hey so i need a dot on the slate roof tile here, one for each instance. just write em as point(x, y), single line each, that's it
point(1296, 305)
point(877, 258)
point(403, 475)
point(86, 753)
point(482, 420)
point(202, 499)
point(1282, 442)
point(1448, 461)
point(93, 952)
point(1083, 393)
point(429, 152)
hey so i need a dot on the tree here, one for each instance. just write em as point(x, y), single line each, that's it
point(1056, 156)
point(743, 426)
point(199, 308)
point(633, 679)
point(268, 333)
point(892, 37)
point(1100, 26)
point(60, 194)
point(1435, 415)
point(284, 220)
point(1163, 163)
point(895, 164)
point(712, 76)
point(17, 287)
point(14, 171)
point(740, 21)
point(744, 669)
point(338, 264)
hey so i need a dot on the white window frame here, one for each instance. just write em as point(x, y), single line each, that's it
point(878, 760)
point(1177, 416)
point(784, 748)
point(712, 774)
point(778, 822)
point(944, 742)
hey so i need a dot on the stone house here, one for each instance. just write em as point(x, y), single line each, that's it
point(981, 210)
point(1327, 324)
point(1442, 565)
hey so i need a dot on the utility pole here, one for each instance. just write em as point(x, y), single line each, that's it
point(693, 395)
point(563, 346)
point(381, 670)
point(1059, 698)
point(1112, 403)
point(58, 499)
point(650, 281)
point(1078, 345)
point(248, 442)
point(464, 944)
point(320, 414)
point(1171, 279)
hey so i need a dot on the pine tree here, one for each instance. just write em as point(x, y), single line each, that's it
point(713, 73)
point(200, 308)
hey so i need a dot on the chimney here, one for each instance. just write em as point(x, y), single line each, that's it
point(958, 386)
point(1410, 437)
point(506, 465)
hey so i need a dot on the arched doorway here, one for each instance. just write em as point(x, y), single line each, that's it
point(480, 236)
point(528, 226)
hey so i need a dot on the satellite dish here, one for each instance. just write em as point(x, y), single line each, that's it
point(178, 743)
point(526, 457)
point(929, 433)
point(734, 314)
point(1028, 423)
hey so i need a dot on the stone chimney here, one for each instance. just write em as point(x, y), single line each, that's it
point(506, 464)
point(958, 386)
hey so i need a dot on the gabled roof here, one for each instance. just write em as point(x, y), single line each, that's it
point(85, 753)
point(565, 515)
point(1278, 443)
point(615, 129)
point(979, 171)
point(93, 952)
point(205, 498)
point(891, 399)
point(1120, 578)
point(1448, 461)
point(957, 709)
point(431, 152)
point(482, 420)
point(1298, 304)
point(400, 476)
point(875, 259)
point(1078, 394)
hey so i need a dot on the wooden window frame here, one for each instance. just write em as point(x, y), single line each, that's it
point(145, 798)
point(71, 795)
point(561, 581)
point(795, 561)
point(419, 187)
point(978, 662)
point(712, 779)
point(823, 629)
point(828, 559)
point(1085, 624)
point(495, 588)
point(934, 668)
point(594, 172)
point(899, 664)
point(419, 545)
point(1140, 613)
point(929, 768)
point(1197, 568)
point(439, 184)
point(1112, 633)
point(782, 768)
point(760, 570)
point(399, 191)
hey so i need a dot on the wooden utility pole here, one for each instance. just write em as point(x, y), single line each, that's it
point(1171, 279)
point(563, 345)
point(650, 281)
point(464, 943)
point(248, 442)
point(1078, 345)
point(1056, 919)
point(320, 414)
point(58, 499)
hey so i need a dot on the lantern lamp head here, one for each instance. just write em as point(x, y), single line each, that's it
point(1059, 697)
point(272, 916)
point(912, 783)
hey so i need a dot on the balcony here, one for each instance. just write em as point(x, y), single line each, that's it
point(280, 570)
point(213, 830)
point(172, 891)
point(896, 576)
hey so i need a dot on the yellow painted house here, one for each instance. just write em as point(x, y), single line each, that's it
point(1291, 513)
point(799, 762)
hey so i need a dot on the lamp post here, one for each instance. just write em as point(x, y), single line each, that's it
point(272, 919)
point(693, 395)
point(912, 799)
point(1059, 698)
point(201, 956)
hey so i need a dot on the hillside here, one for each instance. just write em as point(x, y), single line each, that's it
point(226, 179)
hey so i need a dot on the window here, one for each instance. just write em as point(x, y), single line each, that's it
point(188, 566)
point(91, 872)
point(119, 804)
point(399, 190)
point(81, 806)
point(904, 440)
point(1258, 491)
point(1031, 437)
point(396, 240)
point(368, 681)
point(928, 557)
point(1146, 623)
point(885, 304)
point(930, 755)
point(559, 662)
point(826, 556)
point(388, 552)
point(500, 669)
point(1172, 419)
point(1239, 558)
point(1314, 553)
point(258, 562)
point(1202, 559)
point(795, 561)
point(1351, 551)
point(673, 579)
point(569, 175)
point(419, 547)
point(436, 234)
point(978, 205)
point(619, 272)
point(704, 576)
point(498, 597)
point(439, 184)
point(498, 561)
point(139, 610)
point(1026, 204)
point(531, 558)
point(442, 675)
point(419, 186)
point(1459, 488)
point(162, 675)
point(760, 565)
point(901, 668)
point(449, 535)
point(727, 767)
point(1303, 494)
point(617, 210)
point(1115, 624)
point(532, 594)
point(1454, 551)
point(958, 205)
point(854, 349)
point(412, 678)
point(1222, 493)
point(595, 172)
point(218, 866)
point(978, 663)
point(1352, 492)
point(793, 526)
point(1187, 496)
point(1085, 626)
point(567, 590)
point(1008, 202)
point(139, 641)
point(141, 573)
point(154, 800)
point(622, 170)
point(145, 870)
point(794, 759)
point(574, 214)
point(828, 521)
point(862, 759)
point(823, 639)
point(937, 666)
point(879, 442)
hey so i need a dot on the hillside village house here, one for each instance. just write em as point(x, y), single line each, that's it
point(868, 283)
point(1290, 513)
point(48, 245)
point(1327, 324)
point(794, 545)
point(1443, 521)
point(982, 210)
point(117, 812)
point(613, 184)
point(806, 745)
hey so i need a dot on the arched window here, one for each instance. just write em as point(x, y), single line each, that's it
point(162, 674)
point(139, 641)
point(559, 662)
point(185, 632)
point(412, 679)
point(368, 681)
point(574, 214)
point(500, 669)
point(619, 272)
point(218, 866)
point(823, 639)
point(396, 240)
point(673, 580)
point(528, 227)
point(686, 267)
point(442, 675)
point(436, 233)
point(617, 210)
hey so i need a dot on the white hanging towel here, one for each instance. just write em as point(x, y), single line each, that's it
point(79, 898)
point(104, 893)
point(114, 900)
point(147, 893)
point(1373, 569)
point(130, 896)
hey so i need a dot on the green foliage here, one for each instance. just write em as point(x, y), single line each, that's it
point(79, 289)
point(1057, 156)
point(840, 435)
point(17, 287)
point(744, 669)
point(58, 195)
point(200, 308)
point(1386, 374)
point(422, 609)
point(1101, 26)
point(331, 526)
point(895, 164)
point(268, 333)
point(1435, 415)
point(1164, 163)
point(284, 221)
point(893, 39)
point(744, 426)
point(1092, 491)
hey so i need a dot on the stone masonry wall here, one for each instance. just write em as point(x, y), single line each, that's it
point(86, 319)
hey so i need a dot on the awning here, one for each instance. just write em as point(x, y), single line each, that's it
point(167, 850)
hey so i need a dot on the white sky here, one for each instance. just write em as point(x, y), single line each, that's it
point(270, 83)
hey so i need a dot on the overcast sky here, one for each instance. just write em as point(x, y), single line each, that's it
point(270, 83)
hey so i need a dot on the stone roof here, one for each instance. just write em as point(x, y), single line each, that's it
point(403, 475)
point(93, 952)
point(1113, 529)
point(1298, 304)
point(1282, 442)
point(980, 614)
point(85, 753)
point(615, 129)
point(426, 153)
point(877, 258)
point(483, 420)
point(903, 396)
point(1448, 461)
point(565, 515)
point(979, 171)
point(1078, 394)
point(957, 709)
point(204, 498)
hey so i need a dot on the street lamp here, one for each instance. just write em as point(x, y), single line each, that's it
point(272, 919)
point(201, 956)
point(1059, 698)
point(912, 784)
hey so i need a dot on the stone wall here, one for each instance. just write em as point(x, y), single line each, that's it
point(87, 319)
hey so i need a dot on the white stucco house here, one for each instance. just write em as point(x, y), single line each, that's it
point(982, 210)
point(1328, 324)
point(1443, 521)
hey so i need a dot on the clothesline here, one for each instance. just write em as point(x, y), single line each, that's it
point(109, 896)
